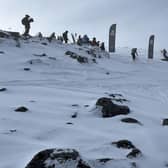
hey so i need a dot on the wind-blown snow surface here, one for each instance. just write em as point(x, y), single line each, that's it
point(50, 89)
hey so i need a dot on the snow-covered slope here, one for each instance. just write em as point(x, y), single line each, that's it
point(57, 86)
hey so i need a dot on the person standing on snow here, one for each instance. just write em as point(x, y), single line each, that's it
point(26, 22)
point(65, 36)
point(134, 53)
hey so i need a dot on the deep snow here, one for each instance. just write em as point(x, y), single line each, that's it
point(50, 89)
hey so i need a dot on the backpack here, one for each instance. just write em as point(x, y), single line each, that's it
point(23, 21)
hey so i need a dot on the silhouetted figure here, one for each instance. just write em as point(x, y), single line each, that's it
point(26, 22)
point(79, 41)
point(94, 42)
point(134, 53)
point(164, 52)
point(65, 36)
point(102, 47)
point(51, 37)
point(85, 39)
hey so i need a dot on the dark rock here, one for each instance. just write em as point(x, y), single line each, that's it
point(40, 55)
point(94, 60)
point(2, 52)
point(130, 120)
point(165, 122)
point(119, 100)
point(104, 160)
point(134, 153)
point(53, 158)
point(21, 109)
point(26, 69)
point(81, 59)
point(3, 89)
point(69, 123)
point(109, 109)
point(124, 144)
point(86, 105)
point(44, 43)
point(69, 53)
point(74, 115)
point(115, 95)
point(13, 130)
point(75, 105)
point(4, 34)
point(107, 73)
point(52, 58)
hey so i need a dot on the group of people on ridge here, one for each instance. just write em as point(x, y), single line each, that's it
point(27, 20)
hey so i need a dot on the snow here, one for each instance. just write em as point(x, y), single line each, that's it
point(50, 89)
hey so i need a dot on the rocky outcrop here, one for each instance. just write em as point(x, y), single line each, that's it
point(70, 158)
point(109, 109)
point(57, 158)
point(126, 144)
point(21, 109)
point(79, 58)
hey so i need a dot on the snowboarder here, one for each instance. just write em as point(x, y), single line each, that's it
point(65, 36)
point(102, 47)
point(134, 53)
point(26, 22)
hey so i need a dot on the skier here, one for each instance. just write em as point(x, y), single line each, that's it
point(65, 36)
point(26, 22)
point(102, 47)
point(134, 53)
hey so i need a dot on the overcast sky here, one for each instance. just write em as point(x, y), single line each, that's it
point(135, 19)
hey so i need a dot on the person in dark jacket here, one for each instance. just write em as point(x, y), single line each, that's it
point(26, 22)
point(102, 47)
point(134, 53)
point(65, 36)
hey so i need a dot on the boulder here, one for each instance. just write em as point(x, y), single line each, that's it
point(109, 109)
point(126, 144)
point(165, 122)
point(79, 58)
point(26, 69)
point(57, 158)
point(21, 109)
point(134, 153)
point(3, 89)
point(130, 120)
point(2, 52)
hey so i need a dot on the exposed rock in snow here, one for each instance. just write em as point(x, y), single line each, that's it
point(21, 109)
point(109, 109)
point(126, 144)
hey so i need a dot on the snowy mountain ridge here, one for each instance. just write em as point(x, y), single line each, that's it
point(54, 85)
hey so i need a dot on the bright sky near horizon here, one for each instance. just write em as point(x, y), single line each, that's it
point(136, 19)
